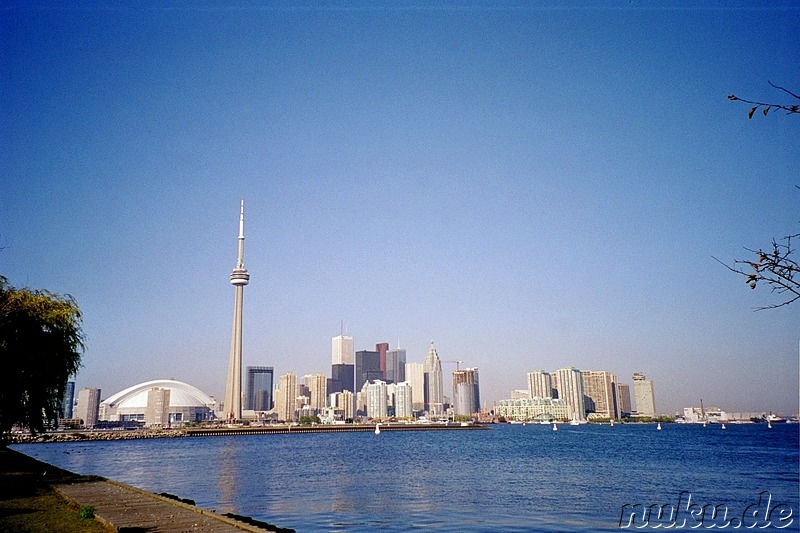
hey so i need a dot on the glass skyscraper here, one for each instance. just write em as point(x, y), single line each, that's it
point(259, 388)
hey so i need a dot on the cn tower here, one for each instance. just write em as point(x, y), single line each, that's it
point(239, 278)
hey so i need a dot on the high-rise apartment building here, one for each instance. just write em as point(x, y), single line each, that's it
point(318, 390)
point(415, 375)
point(540, 384)
point(403, 404)
point(157, 412)
point(643, 395)
point(260, 382)
point(466, 391)
point(342, 350)
point(434, 388)
point(570, 389)
point(376, 399)
point(88, 408)
point(285, 396)
point(68, 400)
point(368, 367)
point(624, 400)
point(599, 391)
point(395, 365)
point(343, 401)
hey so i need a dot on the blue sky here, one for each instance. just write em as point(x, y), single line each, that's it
point(528, 185)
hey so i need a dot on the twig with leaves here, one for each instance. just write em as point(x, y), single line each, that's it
point(766, 106)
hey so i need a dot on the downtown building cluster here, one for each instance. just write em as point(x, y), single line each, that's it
point(372, 384)
point(569, 393)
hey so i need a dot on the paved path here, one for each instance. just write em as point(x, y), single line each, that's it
point(127, 508)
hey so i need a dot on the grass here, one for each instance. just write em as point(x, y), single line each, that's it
point(28, 503)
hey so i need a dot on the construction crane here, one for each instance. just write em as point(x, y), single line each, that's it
point(456, 362)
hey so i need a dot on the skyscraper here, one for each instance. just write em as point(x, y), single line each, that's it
point(88, 407)
point(403, 405)
point(260, 382)
point(599, 390)
point(239, 278)
point(376, 399)
point(540, 385)
point(395, 365)
point(643, 395)
point(318, 389)
point(434, 390)
point(466, 391)
point(342, 350)
point(624, 400)
point(570, 389)
point(285, 396)
point(382, 348)
point(368, 367)
point(415, 375)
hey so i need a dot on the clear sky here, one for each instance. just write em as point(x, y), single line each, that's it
point(531, 185)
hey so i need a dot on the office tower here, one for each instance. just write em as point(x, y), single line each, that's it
point(368, 367)
point(570, 389)
point(239, 278)
point(434, 389)
point(342, 378)
point(157, 411)
point(599, 387)
point(260, 382)
point(382, 348)
point(68, 400)
point(466, 391)
point(624, 400)
point(342, 350)
point(285, 396)
point(415, 375)
point(643, 395)
point(376, 399)
point(88, 407)
point(318, 391)
point(540, 384)
point(403, 400)
point(395, 365)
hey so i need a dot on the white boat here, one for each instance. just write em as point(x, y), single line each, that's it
point(377, 429)
point(658, 427)
point(723, 426)
point(555, 427)
point(769, 424)
point(612, 422)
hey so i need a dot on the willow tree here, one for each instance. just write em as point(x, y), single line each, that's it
point(41, 343)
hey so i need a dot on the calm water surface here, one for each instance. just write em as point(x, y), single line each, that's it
point(512, 478)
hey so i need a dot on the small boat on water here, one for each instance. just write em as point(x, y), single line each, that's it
point(612, 422)
point(658, 427)
point(723, 426)
point(377, 429)
point(555, 427)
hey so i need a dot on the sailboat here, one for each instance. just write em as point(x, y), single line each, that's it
point(658, 427)
point(555, 427)
point(723, 426)
point(377, 429)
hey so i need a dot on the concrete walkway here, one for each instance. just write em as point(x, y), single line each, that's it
point(127, 508)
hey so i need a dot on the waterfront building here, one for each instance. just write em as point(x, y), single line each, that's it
point(599, 394)
point(342, 350)
point(415, 375)
point(434, 389)
point(534, 409)
point(260, 382)
point(466, 391)
point(624, 400)
point(540, 384)
point(395, 365)
point(643, 395)
point(88, 409)
point(570, 389)
point(239, 278)
point(318, 389)
point(285, 397)
point(67, 401)
point(157, 412)
point(403, 400)
point(368, 367)
point(343, 401)
point(185, 403)
point(377, 399)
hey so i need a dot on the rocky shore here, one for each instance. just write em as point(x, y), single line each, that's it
point(79, 436)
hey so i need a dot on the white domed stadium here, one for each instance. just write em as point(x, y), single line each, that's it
point(163, 402)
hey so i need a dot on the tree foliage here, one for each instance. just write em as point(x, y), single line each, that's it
point(766, 107)
point(41, 343)
point(775, 267)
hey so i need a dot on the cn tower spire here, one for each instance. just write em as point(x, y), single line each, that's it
point(239, 278)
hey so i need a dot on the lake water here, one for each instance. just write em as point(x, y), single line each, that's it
point(511, 478)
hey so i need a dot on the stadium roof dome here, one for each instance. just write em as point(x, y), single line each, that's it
point(181, 395)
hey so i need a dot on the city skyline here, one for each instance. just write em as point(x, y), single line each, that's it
point(533, 186)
